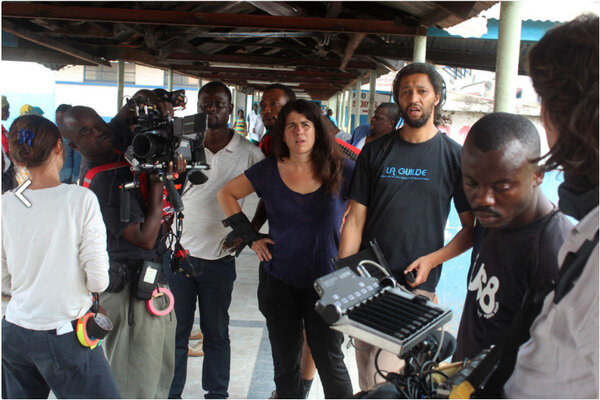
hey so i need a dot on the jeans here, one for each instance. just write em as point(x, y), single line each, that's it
point(34, 362)
point(210, 285)
point(289, 310)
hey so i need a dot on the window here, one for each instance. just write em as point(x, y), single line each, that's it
point(181, 80)
point(102, 73)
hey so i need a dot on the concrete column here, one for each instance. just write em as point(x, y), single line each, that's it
point(170, 80)
point(348, 111)
point(235, 108)
point(357, 108)
point(372, 91)
point(339, 108)
point(420, 49)
point(507, 57)
point(342, 117)
point(120, 83)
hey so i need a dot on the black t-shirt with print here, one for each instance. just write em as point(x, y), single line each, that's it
point(407, 188)
point(507, 263)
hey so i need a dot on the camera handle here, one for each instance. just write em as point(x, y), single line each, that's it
point(125, 200)
point(173, 195)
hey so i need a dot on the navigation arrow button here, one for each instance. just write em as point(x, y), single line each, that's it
point(20, 190)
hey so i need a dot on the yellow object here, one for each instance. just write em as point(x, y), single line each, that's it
point(25, 109)
point(462, 391)
point(82, 333)
point(21, 174)
point(448, 368)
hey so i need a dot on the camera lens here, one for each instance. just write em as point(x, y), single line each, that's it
point(147, 145)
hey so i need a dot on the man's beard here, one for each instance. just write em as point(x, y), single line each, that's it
point(419, 122)
point(270, 127)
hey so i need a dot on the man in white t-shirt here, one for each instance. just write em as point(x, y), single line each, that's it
point(255, 125)
point(210, 281)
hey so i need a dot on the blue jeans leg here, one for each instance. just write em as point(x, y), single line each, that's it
point(214, 279)
point(211, 285)
point(184, 292)
point(34, 362)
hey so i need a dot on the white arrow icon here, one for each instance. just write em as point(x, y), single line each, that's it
point(20, 190)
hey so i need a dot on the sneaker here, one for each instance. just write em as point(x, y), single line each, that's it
point(196, 335)
point(195, 350)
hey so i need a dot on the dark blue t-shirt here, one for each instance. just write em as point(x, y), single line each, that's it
point(304, 227)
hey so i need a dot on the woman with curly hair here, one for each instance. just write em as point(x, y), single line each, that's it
point(304, 187)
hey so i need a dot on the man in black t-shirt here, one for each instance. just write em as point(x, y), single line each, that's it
point(400, 195)
point(138, 338)
point(518, 230)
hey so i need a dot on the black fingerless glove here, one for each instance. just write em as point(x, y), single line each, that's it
point(243, 229)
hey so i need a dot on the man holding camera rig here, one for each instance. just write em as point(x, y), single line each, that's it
point(140, 349)
point(210, 281)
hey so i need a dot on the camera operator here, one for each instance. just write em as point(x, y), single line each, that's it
point(140, 350)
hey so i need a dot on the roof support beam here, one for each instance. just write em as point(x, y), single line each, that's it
point(351, 47)
point(42, 56)
point(258, 70)
point(188, 18)
point(269, 61)
point(37, 38)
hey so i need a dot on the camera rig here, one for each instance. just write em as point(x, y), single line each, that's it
point(155, 143)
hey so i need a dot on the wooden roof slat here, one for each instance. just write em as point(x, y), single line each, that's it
point(52, 44)
point(188, 18)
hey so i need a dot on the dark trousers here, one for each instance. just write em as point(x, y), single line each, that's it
point(35, 362)
point(288, 311)
point(211, 285)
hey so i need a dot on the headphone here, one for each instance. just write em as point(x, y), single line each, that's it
point(418, 68)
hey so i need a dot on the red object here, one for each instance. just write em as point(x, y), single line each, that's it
point(265, 144)
point(349, 151)
point(89, 176)
point(168, 209)
point(5, 139)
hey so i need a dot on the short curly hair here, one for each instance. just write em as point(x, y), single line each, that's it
point(563, 67)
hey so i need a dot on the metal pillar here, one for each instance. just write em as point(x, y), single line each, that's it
point(357, 109)
point(507, 58)
point(170, 80)
point(372, 89)
point(420, 49)
point(120, 83)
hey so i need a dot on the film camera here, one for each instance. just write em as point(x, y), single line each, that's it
point(156, 141)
